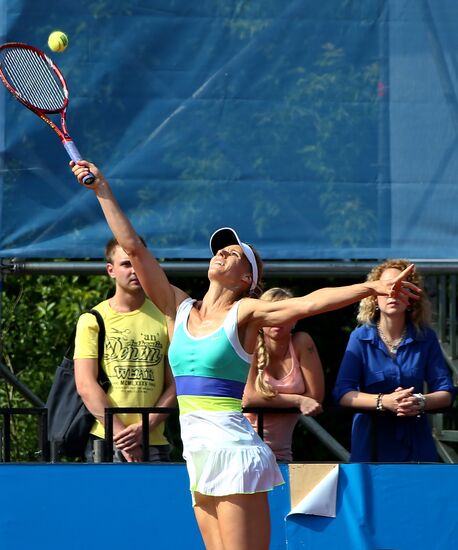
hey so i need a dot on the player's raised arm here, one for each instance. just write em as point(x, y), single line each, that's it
point(150, 274)
point(327, 299)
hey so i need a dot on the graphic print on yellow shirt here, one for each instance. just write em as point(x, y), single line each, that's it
point(135, 345)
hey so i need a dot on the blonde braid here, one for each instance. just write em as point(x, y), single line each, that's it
point(261, 355)
point(262, 359)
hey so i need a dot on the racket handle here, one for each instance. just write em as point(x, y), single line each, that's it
point(74, 154)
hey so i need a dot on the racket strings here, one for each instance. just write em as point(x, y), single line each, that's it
point(33, 79)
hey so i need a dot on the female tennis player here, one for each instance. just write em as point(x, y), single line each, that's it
point(231, 470)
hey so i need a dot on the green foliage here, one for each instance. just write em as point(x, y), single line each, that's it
point(38, 316)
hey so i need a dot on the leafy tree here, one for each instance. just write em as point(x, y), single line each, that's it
point(38, 316)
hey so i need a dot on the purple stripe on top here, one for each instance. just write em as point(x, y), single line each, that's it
point(211, 387)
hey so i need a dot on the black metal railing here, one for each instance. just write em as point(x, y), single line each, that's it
point(45, 453)
point(5, 443)
point(144, 412)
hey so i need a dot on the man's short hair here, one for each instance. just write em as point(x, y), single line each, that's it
point(112, 244)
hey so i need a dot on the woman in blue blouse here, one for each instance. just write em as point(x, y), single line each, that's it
point(388, 361)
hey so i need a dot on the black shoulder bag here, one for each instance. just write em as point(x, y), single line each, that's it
point(69, 421)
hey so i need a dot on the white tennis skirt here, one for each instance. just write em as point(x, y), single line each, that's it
point(225, 456)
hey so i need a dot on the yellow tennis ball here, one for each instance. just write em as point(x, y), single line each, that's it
point(57, 41)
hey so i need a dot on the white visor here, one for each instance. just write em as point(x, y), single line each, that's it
point(224, 237)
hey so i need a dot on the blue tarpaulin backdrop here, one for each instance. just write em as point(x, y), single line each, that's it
point(319, 130)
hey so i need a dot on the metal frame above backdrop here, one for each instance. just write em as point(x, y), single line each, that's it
point(304, 268)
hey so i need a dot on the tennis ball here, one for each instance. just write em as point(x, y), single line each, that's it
point(57, 41)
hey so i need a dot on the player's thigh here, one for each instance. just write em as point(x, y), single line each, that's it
point(244, 521)
point(207, 520)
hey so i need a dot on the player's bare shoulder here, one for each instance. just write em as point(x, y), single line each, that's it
point(251, 310)
point(180, 296)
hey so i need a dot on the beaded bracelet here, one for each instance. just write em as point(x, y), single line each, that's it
point(379, 406)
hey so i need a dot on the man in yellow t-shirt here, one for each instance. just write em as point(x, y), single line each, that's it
point(134, 358)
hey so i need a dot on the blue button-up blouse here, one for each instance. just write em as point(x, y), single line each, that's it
point(368, 367)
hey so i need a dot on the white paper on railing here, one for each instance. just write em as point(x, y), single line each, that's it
point(321, 500)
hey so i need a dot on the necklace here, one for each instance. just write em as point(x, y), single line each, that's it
point(392, 345)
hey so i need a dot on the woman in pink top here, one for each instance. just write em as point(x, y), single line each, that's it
point(286, 372)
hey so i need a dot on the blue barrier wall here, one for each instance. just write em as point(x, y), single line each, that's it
point(82, 506)
point(106, 506)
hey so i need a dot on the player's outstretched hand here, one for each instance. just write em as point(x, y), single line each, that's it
point(398, 287)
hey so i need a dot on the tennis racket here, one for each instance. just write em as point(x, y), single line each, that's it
point(37, 83)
